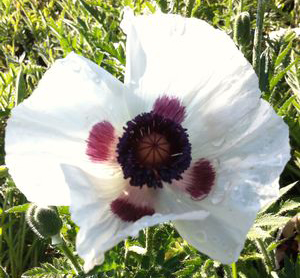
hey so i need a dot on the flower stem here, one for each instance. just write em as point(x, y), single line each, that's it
point(241, 6)
point(60, 243)
point(228, 19)
point(267, 259)
point(234, 270)
point(149, 240)
point(258, 36)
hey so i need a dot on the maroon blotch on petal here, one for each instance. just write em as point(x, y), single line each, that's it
point(129, 212)
point(202, 179)
point(100, 141)
point(169, 107)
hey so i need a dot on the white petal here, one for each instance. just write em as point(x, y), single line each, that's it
point(214, 237)
point(182, 57)
point(255, 158)
point(227, 122)
point(221, 235)
point(246, 179)
point(100, 229)
point(51, 126)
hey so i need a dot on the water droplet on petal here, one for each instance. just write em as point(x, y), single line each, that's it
point(220, 191)
point(217, 197)
point(218, 142)
point(227, 185)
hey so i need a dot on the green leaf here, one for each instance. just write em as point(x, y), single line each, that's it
point(189, 8)
point(289, 205)
point(185, 272)
point(257, 233)
point(150, 7)
point(271, 220)
point(275, 79)
point(20, 87)
point(282, 55)
point(275, 244)
point(34, 272)
point(283, 109)
point(92, 11)
point(63, 210)
point(3, 171)
point(17, 209)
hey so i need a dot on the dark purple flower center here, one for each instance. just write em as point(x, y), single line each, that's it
point(153, 149)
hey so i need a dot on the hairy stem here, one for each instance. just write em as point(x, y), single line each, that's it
point(60, 243)
point(267, 259)
point(258, 35)
point(234, 270)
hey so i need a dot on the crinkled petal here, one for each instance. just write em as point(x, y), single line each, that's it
point(222, 234)
point(181, 57)
point(100, 228)
point(52, 126)
point(214, 237)
point(256, 158)
point(246, 178)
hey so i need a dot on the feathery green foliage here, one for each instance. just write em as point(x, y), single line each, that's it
point(33, 34)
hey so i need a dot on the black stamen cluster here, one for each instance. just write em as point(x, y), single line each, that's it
point(180, 150)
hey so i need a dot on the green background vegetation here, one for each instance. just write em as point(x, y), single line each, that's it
point(33, 34)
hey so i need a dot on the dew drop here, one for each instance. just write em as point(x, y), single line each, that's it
point(217, 197)
point(220, 192)
point(227, 185)
point(218, 142)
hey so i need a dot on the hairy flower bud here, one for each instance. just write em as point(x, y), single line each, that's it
point(242, 29)
point(44, 221)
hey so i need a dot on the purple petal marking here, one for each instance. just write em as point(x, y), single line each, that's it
point(100, 141)
point(129, 212)
point(201, 180)
point(169, 107)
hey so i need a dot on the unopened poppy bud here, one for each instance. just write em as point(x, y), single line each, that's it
point(242, 29)
point(44, 221)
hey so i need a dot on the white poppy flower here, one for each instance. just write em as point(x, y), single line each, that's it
point(185, 139)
